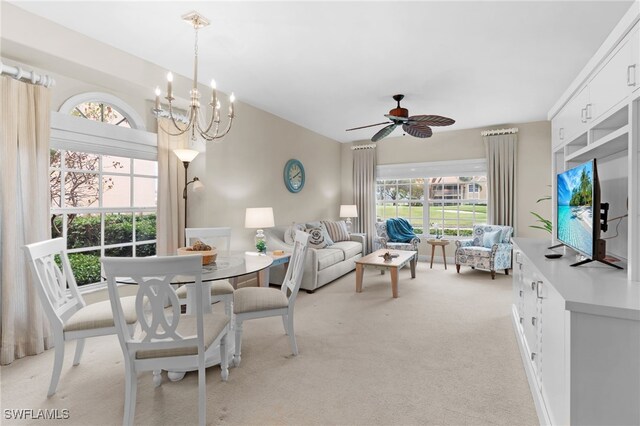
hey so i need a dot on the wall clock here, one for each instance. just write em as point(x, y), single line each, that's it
point(294, 175)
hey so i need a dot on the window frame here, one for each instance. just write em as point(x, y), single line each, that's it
point(69, 133)
point(428, 171)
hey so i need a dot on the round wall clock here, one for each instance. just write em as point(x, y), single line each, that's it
point(294, 175)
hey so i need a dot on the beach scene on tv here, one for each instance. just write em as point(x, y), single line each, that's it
point(575, 208)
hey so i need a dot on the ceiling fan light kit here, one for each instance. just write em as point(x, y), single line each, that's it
point(416, 125)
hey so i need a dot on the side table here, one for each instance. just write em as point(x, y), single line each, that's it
point(441, 243)
point(278, 259)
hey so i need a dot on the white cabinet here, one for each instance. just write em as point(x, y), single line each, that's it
point(615, 80)
point(555, 338)
point(578, 331)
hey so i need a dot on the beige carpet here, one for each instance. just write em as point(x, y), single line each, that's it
point(444, 352)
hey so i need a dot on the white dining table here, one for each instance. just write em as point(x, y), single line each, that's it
point(228, 266)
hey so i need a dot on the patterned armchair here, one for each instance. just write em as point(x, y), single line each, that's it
point(381, 240)
point(490, 248)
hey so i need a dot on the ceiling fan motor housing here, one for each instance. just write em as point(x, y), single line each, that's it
point(399, 112)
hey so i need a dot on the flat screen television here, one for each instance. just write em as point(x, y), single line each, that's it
point(578, 215)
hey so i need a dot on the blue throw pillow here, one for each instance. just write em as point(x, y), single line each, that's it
point(491, 238)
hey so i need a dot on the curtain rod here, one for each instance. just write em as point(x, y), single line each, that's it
point(30, 76)
point(499, 132)
point(368, 146)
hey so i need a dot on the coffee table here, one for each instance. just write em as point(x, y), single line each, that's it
point(375, 260)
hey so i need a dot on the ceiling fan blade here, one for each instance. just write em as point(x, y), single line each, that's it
point(370, 125)
point(418, 130)
point(384, 132)
point(432, 120)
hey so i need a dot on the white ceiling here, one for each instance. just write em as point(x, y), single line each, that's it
point(329, 66)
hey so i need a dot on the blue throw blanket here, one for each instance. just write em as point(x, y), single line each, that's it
point(400, 230)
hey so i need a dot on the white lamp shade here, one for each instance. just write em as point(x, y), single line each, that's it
point(198, 186)
point(186, 155)
point(348, 210)
point(259, 217)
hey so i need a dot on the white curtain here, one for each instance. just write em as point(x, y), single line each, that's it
point(170, 217)
point(24, 214)
point(364, 191)
point(502, 152)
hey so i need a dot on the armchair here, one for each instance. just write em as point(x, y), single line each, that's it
point(490, 248)
point(381, 240)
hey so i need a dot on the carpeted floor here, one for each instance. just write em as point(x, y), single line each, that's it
point(444, 352)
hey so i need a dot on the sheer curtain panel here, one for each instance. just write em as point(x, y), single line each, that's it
point(24, 214)
point(170, 216)
point(502, 151)
point(364, 191)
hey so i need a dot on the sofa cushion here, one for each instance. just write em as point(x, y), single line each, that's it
point(290, 232)
point(319, 237)
point(328, 257)
point(337, 230)
point(474, 251)
point(349, 248)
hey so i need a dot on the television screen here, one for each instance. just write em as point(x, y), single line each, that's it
point(576, 200)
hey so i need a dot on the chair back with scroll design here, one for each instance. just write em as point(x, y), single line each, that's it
point(69, 316)
point(167, 339)
point(293, 277)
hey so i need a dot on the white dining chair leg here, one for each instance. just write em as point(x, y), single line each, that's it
point(292, 334)
point(236, 356)
point(284, 324)
point(157, 378)
point(224, 358)
point(202, 392)
point(79, 349)
point(57, 363)
point(131, 387)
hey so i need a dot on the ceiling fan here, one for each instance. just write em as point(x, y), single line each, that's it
point(416, 125)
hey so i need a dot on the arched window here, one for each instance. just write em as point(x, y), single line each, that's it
point(104, 108)
point(100, 111)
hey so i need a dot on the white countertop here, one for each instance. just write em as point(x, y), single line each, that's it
point(593, 288)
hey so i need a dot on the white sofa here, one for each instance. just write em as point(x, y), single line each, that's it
point(321, 265)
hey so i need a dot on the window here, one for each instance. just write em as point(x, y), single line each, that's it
point(453, 209)
point(454, 203)
point(103, 189)
point(401, 198)
point(100, 111)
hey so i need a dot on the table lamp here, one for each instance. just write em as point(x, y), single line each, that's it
point(258, 218)
point(348, 211)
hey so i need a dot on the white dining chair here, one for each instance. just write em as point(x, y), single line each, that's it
point(219, 237)
point(167, 338)
point(221, 290)
point(69, 316)
point(260, 302)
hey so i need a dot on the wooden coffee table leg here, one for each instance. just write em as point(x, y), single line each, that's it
point(444, 258)
point(359, 270)
point(413, 263)
point(433, 251)
point(394, 281)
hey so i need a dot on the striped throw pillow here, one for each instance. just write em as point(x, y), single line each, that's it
point(337, 230)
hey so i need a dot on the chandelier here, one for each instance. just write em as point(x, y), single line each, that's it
point(193, 123)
